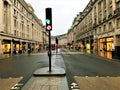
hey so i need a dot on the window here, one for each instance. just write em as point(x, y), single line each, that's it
point(110, 25)
point(14, 11)
point(118, 4)
point(105, 14)
point(104, 3)
point(15, 32)
point(104, 28)
point(22, 27)
point(118, 23)
point(110, 10)
point(15, 23)
point(27, 28)
point(110, 2)
point(99, 6)
point(99, 29)
point(15, 2)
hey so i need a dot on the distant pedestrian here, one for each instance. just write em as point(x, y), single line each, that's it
point(29, 51)
point(14, 51)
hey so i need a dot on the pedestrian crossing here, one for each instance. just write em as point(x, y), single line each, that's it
point(72, 52)
point(8, 83)
point(62, 52)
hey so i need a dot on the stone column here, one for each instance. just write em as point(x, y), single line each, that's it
point(26, 47)
point(1, 52)
point(11, 46)
point(1, 15)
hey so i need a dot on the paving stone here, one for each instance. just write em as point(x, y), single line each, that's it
point(46, 83)
point(98, 83)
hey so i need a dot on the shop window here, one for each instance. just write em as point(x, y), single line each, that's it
point(109, 39)
point(17, 47)
point(6, 48)
point(109, 46)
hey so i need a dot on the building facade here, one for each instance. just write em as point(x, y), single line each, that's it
point(98, 27)
point(70, 38)
point(62, 40)
point(20, 28)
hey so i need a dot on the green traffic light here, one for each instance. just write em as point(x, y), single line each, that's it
point(48, 21)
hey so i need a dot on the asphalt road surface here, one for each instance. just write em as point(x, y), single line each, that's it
point(83, 64)
point(22, 67)
point(76, 64)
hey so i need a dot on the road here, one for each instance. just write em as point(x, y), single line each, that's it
point(20, 68)
point(20, 65)
point(83, 64)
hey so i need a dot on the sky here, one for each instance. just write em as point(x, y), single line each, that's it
point(63, 12)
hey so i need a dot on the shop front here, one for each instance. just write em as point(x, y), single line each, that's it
point(95, 44)
point(106, 47)
point(6, 46)
point(106, 44)
point(116, 52)
point(89, 43)
point(16, 46)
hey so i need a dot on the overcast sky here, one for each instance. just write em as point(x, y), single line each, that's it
point(63, 12)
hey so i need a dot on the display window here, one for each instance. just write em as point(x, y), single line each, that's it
point(6, 48)
point(17, 47)
point(106, 44)
point(88, 46)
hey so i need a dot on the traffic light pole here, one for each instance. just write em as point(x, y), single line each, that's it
point(52, 70)
point(49, 52)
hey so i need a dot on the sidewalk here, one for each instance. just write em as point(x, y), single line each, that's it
point(5, 56)
point(46, 83)
point(98, 83)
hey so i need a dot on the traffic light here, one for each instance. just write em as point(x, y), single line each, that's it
point(56, 40)
point(48, 19)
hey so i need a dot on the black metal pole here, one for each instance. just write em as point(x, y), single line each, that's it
point(56, 48)
point(49, 52)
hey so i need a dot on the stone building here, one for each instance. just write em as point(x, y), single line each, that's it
point(98, 26)
point(20, 28)
point(70, 38)
point(62, 40)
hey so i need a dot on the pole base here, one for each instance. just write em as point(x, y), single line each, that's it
point(55, 71)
